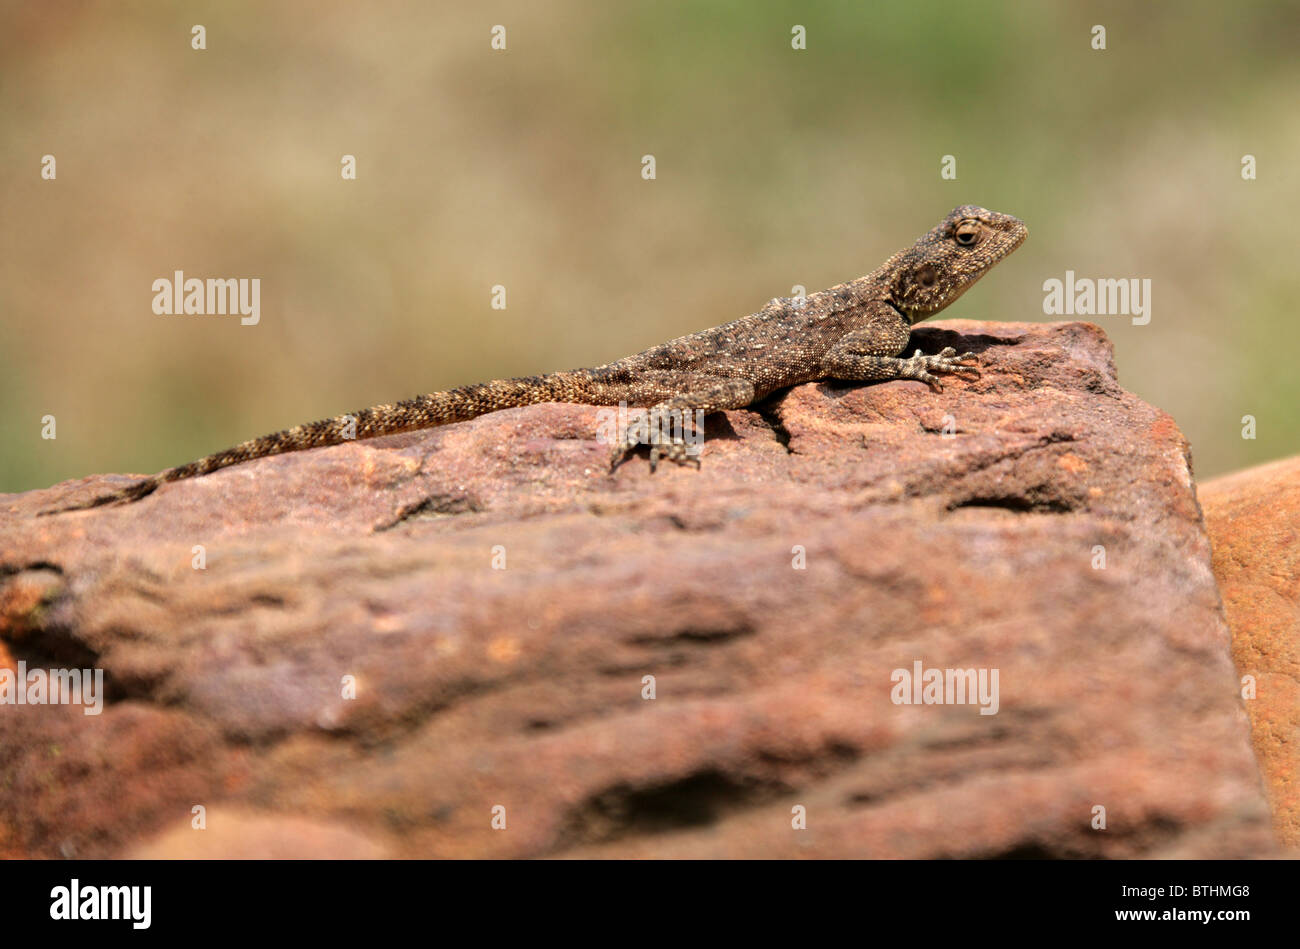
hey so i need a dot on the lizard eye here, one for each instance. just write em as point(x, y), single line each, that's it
point(967, 233)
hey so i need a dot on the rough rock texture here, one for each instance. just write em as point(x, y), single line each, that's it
point(1253, 518)
point(523, 687)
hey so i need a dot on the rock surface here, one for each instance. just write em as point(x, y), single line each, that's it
point(833, 536)
point(1253, 518)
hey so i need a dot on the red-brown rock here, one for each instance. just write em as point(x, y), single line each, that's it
point(522, 688)
point(1253, 518)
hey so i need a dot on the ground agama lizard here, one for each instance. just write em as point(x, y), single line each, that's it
point(853, 331)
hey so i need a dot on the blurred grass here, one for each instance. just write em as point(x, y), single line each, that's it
point(522, 168)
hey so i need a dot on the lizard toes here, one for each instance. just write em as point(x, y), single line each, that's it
point(677, 451)
point(620, 452)
point(964, 365)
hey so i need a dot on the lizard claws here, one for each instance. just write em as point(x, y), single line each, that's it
point(919, 366)
point(675, 451)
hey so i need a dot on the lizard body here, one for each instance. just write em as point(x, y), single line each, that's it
point(854, 331)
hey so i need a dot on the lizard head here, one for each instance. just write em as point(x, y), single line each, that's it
point(943, 264)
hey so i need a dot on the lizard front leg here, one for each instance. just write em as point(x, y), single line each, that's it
point(858, 356)
point(700, 393)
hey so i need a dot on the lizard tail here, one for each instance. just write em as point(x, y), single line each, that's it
point(424, 411)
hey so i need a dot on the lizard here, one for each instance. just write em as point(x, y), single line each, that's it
point(854, 331)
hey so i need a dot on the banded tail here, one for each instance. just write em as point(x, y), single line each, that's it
point(425, 411)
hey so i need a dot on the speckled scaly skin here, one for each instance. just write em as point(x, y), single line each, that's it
point(853, 331)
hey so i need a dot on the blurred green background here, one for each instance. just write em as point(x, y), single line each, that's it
point(775, 167)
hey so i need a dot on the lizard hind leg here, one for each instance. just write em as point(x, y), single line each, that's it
point(670, 426)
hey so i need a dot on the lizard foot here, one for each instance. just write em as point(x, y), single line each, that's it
point(664, 440)
point(675, 450)
point(921, 367)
